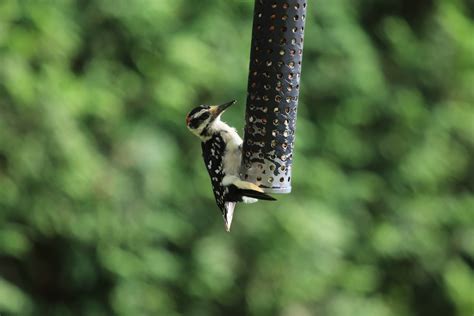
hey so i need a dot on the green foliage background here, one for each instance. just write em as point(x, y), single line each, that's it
point(106, 208)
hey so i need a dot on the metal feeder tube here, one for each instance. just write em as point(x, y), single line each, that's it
point(273, 91)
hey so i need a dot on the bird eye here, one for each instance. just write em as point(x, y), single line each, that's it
point(196, 121)
point(203, 116)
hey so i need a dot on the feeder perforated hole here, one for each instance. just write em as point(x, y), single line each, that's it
point(247, 154)
point(252, 107)
point(297, 6)
point(273, 16)
point(288, 99)
point(285, 133)
point(284, 145)
point(285, 5)
point(276, 110)
point(282, 52)
point(260, 166)
point(266, 86)
point(282, 41)
point(249, 142)
point(304, 5)
point(296, 17)
point(283, 157)
point(259, 15)
point(271, 28)
point(292, 52)
point(274, 133)
point(277, 98)
point(264, 120)
point(259, 27)
point(283, 168)
point(303, 17)
point(291, 75)
point(265, 74)
point(246, 176)
point(274, 5)
point(251, 119)
point(270, 40)
point(265, 109)
point(286, 122)
point(289, 88)
point(270, 179)
point(269, 63)
point(272, 167)
point(284, 17)
point(284, 28)
point(273, 144)
point(287, 110)
point(279, 75)
point(293, 41)
point(282, 179)
point(265, 98)
point(289, 178)
point(259, 178)
point(291, 64)
point(275, 122)
point(253, 85)
point(295, 29)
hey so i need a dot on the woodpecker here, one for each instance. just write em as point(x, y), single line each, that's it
point(222, 153)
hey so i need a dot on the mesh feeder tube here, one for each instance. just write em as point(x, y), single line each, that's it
point(273, 91)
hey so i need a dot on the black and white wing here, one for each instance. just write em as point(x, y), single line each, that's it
point(213, 154)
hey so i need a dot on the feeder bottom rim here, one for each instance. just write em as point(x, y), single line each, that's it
point(285, 190)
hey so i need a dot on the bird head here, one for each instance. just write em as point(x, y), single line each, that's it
point(201, 119)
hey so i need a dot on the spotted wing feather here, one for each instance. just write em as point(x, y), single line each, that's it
point(213, 152)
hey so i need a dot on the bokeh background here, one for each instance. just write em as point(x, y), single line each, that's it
point(106, 207)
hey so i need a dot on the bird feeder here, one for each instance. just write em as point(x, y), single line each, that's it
point(273, 91)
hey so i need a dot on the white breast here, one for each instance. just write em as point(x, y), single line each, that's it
point(233, 152)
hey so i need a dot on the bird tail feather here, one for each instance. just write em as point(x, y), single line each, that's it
point(251, 190)
point(257, 195)
point(229, 214)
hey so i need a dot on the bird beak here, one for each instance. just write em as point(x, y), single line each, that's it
point(216, 110)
